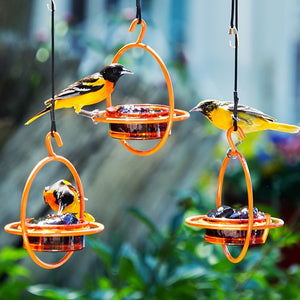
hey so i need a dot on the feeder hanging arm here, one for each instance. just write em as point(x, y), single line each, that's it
point(52, 114)
point(234, 30)
point(138, 11)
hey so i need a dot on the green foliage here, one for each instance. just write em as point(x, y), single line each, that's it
point(44, 291)
point(14, 278)
point(176, 263)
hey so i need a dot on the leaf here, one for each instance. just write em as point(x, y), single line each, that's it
point(102, 249)
point(103, 294)
point(142, 217)
point(130, 266)
point(12, 254)
point(186, 272)
point(51, 292)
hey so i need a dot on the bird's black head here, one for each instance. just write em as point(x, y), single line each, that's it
point(62, 192)
point(206, 107)
point(113, 72)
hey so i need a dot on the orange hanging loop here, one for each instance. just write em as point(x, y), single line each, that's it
point(233, 149)
point(72, 232)
point(241, 158)
point(143, 30)
point(48, 142)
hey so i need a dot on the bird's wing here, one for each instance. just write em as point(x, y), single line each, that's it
point(83, 86)
point(248, 110)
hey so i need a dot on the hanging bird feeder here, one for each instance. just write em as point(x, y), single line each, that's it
point(252, 230)
point(53, 238)
point(141, 121)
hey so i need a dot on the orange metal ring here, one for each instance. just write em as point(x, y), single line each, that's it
point(52, 157)
point(179, 115)
point(139, 44)
point(59, 230)
point(202, 221)
point(235, 152)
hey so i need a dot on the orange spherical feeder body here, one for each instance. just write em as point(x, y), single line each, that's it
point(156, 126)
point(70, 233)
point(257, 228)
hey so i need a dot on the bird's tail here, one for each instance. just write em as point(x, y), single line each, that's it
point(88, 217)
point(283, 127)
point(41, 113)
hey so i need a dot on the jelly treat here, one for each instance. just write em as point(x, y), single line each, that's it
point(221, 212)
point(63, 219)
point(234, 216)
point(56, 243)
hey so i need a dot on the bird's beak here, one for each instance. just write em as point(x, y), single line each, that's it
point(125, 71)
point(196, 108)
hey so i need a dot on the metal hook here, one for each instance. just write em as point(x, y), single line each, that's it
point(53, 8)
point(233, 149)
point(58, 139)
point(234, 31)
point(143, 30)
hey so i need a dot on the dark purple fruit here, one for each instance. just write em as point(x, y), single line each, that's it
point(226, 211)
point(64, 219)
point(243, 213)
point(221, 212)
point(132, 109)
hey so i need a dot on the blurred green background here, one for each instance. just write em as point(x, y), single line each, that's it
point(146, 251)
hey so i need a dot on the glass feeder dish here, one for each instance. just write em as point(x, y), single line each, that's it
point(136, 131)
point(237, 232)
point(226, 231)
point(138, 121)
point(145, 121)
point(53, 238)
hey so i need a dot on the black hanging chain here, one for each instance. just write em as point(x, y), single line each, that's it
point(52, 114)
point(234, 30)
point(138, 11)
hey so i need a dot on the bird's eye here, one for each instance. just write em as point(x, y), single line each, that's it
point(117, 70)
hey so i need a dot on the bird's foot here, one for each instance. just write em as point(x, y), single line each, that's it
point(89, 114)
point(86, 113)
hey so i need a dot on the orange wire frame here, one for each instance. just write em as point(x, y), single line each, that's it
point(224, 224)
point(174, 114)
point(25, 229)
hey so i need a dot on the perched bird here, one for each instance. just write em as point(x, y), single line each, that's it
point(220, 113)
point(62, 197)
point(87, 91)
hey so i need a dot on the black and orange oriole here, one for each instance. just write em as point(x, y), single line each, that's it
point(63, 197)
point(87, 91)
point(220, 114)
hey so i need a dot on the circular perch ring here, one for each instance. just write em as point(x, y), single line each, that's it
point(25, 229)
point(221, 224)
point(170, 118)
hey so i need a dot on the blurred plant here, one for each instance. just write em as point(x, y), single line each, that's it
point(273, 159)
point(14, 278)
point(175, 263)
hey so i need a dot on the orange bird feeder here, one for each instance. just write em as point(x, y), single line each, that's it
point(53, 238)
point(240, 232)
point(141, 121)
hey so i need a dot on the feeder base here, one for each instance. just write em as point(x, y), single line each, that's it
point(56, 244)
point(138, 131)
point(234, 237)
